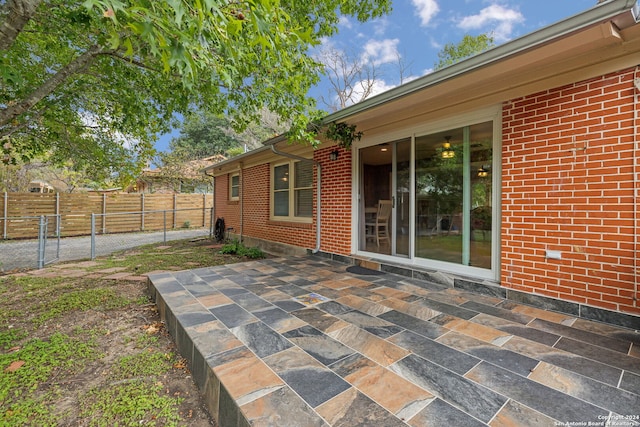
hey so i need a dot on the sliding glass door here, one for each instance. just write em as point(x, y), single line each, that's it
point(385, 179)
point(440, 196)
point(453, 193)
point(402, 196)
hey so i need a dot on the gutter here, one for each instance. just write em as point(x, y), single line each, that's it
point(601, 12)
point(318, 186)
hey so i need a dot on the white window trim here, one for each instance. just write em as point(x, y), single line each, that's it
point(291, 217)
point(231, 176)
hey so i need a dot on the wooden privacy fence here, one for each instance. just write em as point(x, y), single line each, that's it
point(144, 212)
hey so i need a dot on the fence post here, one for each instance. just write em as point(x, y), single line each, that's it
point(175, 209)
point(164, 227)
point(4, 222)
point(204, 210)
point(104, 213)
point(58, 214)
point(58, 219)
point(93, 236)
point(142, 211)
point(41, 241)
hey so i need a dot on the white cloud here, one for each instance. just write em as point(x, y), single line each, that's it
point(345, 22)
point(380, 25)
point(326, 43)
point(381, 51)
point(379, 86)
point(407, 79)
point(426, 10)
point(495, 14)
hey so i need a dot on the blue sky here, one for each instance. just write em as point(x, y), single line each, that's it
point(417, 30)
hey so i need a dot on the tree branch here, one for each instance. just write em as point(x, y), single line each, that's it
point(136, 62)
point(16, 15)
point(13, 129)
point(132, 61)
point(75, 66)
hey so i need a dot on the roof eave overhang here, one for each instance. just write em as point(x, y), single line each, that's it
point(259, 155)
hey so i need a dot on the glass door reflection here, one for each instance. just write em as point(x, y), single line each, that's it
point(385, 184)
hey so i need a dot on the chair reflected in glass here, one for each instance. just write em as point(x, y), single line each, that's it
point(377, 226)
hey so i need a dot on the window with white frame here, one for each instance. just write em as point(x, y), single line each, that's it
point(234, 186)
point(292, 191)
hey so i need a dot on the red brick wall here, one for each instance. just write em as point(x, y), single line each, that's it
point(255, 190)
point(568, 185)
point(224, 208)
point(336, 201)
point(255, 194)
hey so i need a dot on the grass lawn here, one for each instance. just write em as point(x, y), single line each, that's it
point(82, 344)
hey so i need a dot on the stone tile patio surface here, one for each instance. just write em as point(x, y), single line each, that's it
point(304, 341)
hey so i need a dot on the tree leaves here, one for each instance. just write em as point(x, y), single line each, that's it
point(149, 61)
point(468, 46)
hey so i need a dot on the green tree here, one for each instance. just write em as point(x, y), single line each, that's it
point(15, 177)
point(267, 126)
point(468, 46)
point(96, 81)
point(203, 135)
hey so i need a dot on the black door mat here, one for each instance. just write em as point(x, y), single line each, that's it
point(356, 269)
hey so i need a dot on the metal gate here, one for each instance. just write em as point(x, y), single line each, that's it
point(29, 253)
point(48, 240)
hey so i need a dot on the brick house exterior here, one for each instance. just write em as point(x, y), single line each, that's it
point(578, 199)
point(558, 114)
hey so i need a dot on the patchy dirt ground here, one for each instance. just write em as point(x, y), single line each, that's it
point(120, 328)
point(103, 303)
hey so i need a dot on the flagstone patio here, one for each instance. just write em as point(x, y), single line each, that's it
point(305, 341)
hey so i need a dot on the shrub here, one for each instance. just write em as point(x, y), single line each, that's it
point(253, 253)
point(230, 248)
point(237, 248)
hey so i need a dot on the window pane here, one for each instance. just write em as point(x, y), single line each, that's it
point(281, 177)
point(439, 190)
point(304, 203)
point(281, 203)
point(304, 174)
point(481, 137)
point(235, 186)
point(444, 230)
